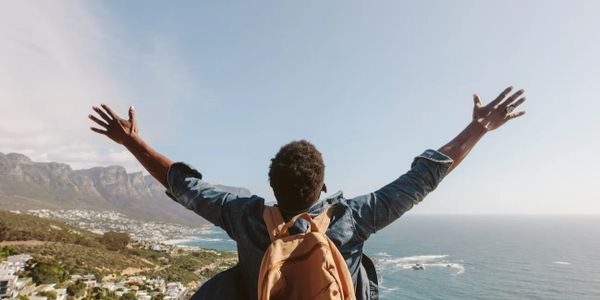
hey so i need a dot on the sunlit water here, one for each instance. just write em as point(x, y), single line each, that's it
point(480, 257)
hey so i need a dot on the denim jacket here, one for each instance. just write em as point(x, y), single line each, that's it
point(352, 222)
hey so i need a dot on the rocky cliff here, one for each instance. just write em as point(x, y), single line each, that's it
point(25, 184)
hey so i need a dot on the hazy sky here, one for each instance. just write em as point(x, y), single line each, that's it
point(223, 85)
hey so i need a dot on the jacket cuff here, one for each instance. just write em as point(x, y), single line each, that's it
point(176, 175)
point(437, 157)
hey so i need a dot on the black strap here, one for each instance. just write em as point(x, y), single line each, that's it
point(372, 275)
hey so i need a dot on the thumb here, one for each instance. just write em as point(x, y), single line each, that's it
point(131, 113)
point(476, 101)
point(132, 119)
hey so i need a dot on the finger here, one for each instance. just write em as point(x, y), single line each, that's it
point(132, 114)
point(518, 102)
point(515, 115)
point(476, 100)
point(501, 96)
point(98, 121)
point(100, 131)
point(512, 98)
point(109, 111)
point(102, 114)
point(132, 118)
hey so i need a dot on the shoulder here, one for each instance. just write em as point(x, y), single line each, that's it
point(246, 206)
point(246, 217)
point(337, 200)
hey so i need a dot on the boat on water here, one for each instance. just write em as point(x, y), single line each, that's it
point(418, 266)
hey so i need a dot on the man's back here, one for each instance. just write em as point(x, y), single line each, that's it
point(353, 220)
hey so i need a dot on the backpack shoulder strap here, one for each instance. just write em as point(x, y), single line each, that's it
point(273, 220)
point(324, 218)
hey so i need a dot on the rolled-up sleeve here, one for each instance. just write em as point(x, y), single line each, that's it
point(185, 186)
point(376, 210)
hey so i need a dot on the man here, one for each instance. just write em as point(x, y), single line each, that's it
point(297, 177)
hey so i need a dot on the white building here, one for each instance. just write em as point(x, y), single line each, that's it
point(175, 291)
point(109, 285)
point(16, 263)
point(142, 295)
point(76, 277)
point(89, 280)
point(7, 286)
point(61, 294)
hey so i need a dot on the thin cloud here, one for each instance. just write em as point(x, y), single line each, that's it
point(57, 59)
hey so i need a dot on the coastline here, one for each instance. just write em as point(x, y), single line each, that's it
point(178, 242)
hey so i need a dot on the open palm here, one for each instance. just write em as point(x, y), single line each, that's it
point(115, 127)
point(499, 111)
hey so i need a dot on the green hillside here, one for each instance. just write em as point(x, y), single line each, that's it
point(79, 251)
point(23, 227)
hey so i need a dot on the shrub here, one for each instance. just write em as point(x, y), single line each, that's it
point(7, 250)
point(115, 240)
point(128, 296)
point(49, 294)
point(4, 232)
point(76, 289)
point(44, 273)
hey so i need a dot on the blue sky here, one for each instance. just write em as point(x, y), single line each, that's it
point(222, 85)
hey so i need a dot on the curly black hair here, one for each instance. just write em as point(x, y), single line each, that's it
point(296, 175)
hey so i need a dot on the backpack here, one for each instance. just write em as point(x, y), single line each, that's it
point(302, 266)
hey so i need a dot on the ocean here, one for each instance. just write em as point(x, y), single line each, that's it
point(479, 257)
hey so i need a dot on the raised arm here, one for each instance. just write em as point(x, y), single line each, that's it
point(376, 210)
point(183, 183)
point(125, 132)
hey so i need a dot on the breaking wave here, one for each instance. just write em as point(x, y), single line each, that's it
point(388, 263)
point(210, 240)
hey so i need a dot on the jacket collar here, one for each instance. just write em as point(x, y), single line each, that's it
point(335, 196)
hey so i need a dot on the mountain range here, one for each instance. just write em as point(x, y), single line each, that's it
point(25, 184)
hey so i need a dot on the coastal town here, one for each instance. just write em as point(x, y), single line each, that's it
point(20, 273)
point(14, 286)
point(154, 235)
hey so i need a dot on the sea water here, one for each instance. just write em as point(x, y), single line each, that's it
point(479, 257)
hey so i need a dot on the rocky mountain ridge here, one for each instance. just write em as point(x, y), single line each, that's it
point(25, 184)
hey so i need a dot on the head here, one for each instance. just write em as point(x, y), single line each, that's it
point(296, 175)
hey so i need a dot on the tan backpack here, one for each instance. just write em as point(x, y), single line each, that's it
point(302, 266)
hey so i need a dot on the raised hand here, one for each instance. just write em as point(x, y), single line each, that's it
point(499, 111)
point(115, 127)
